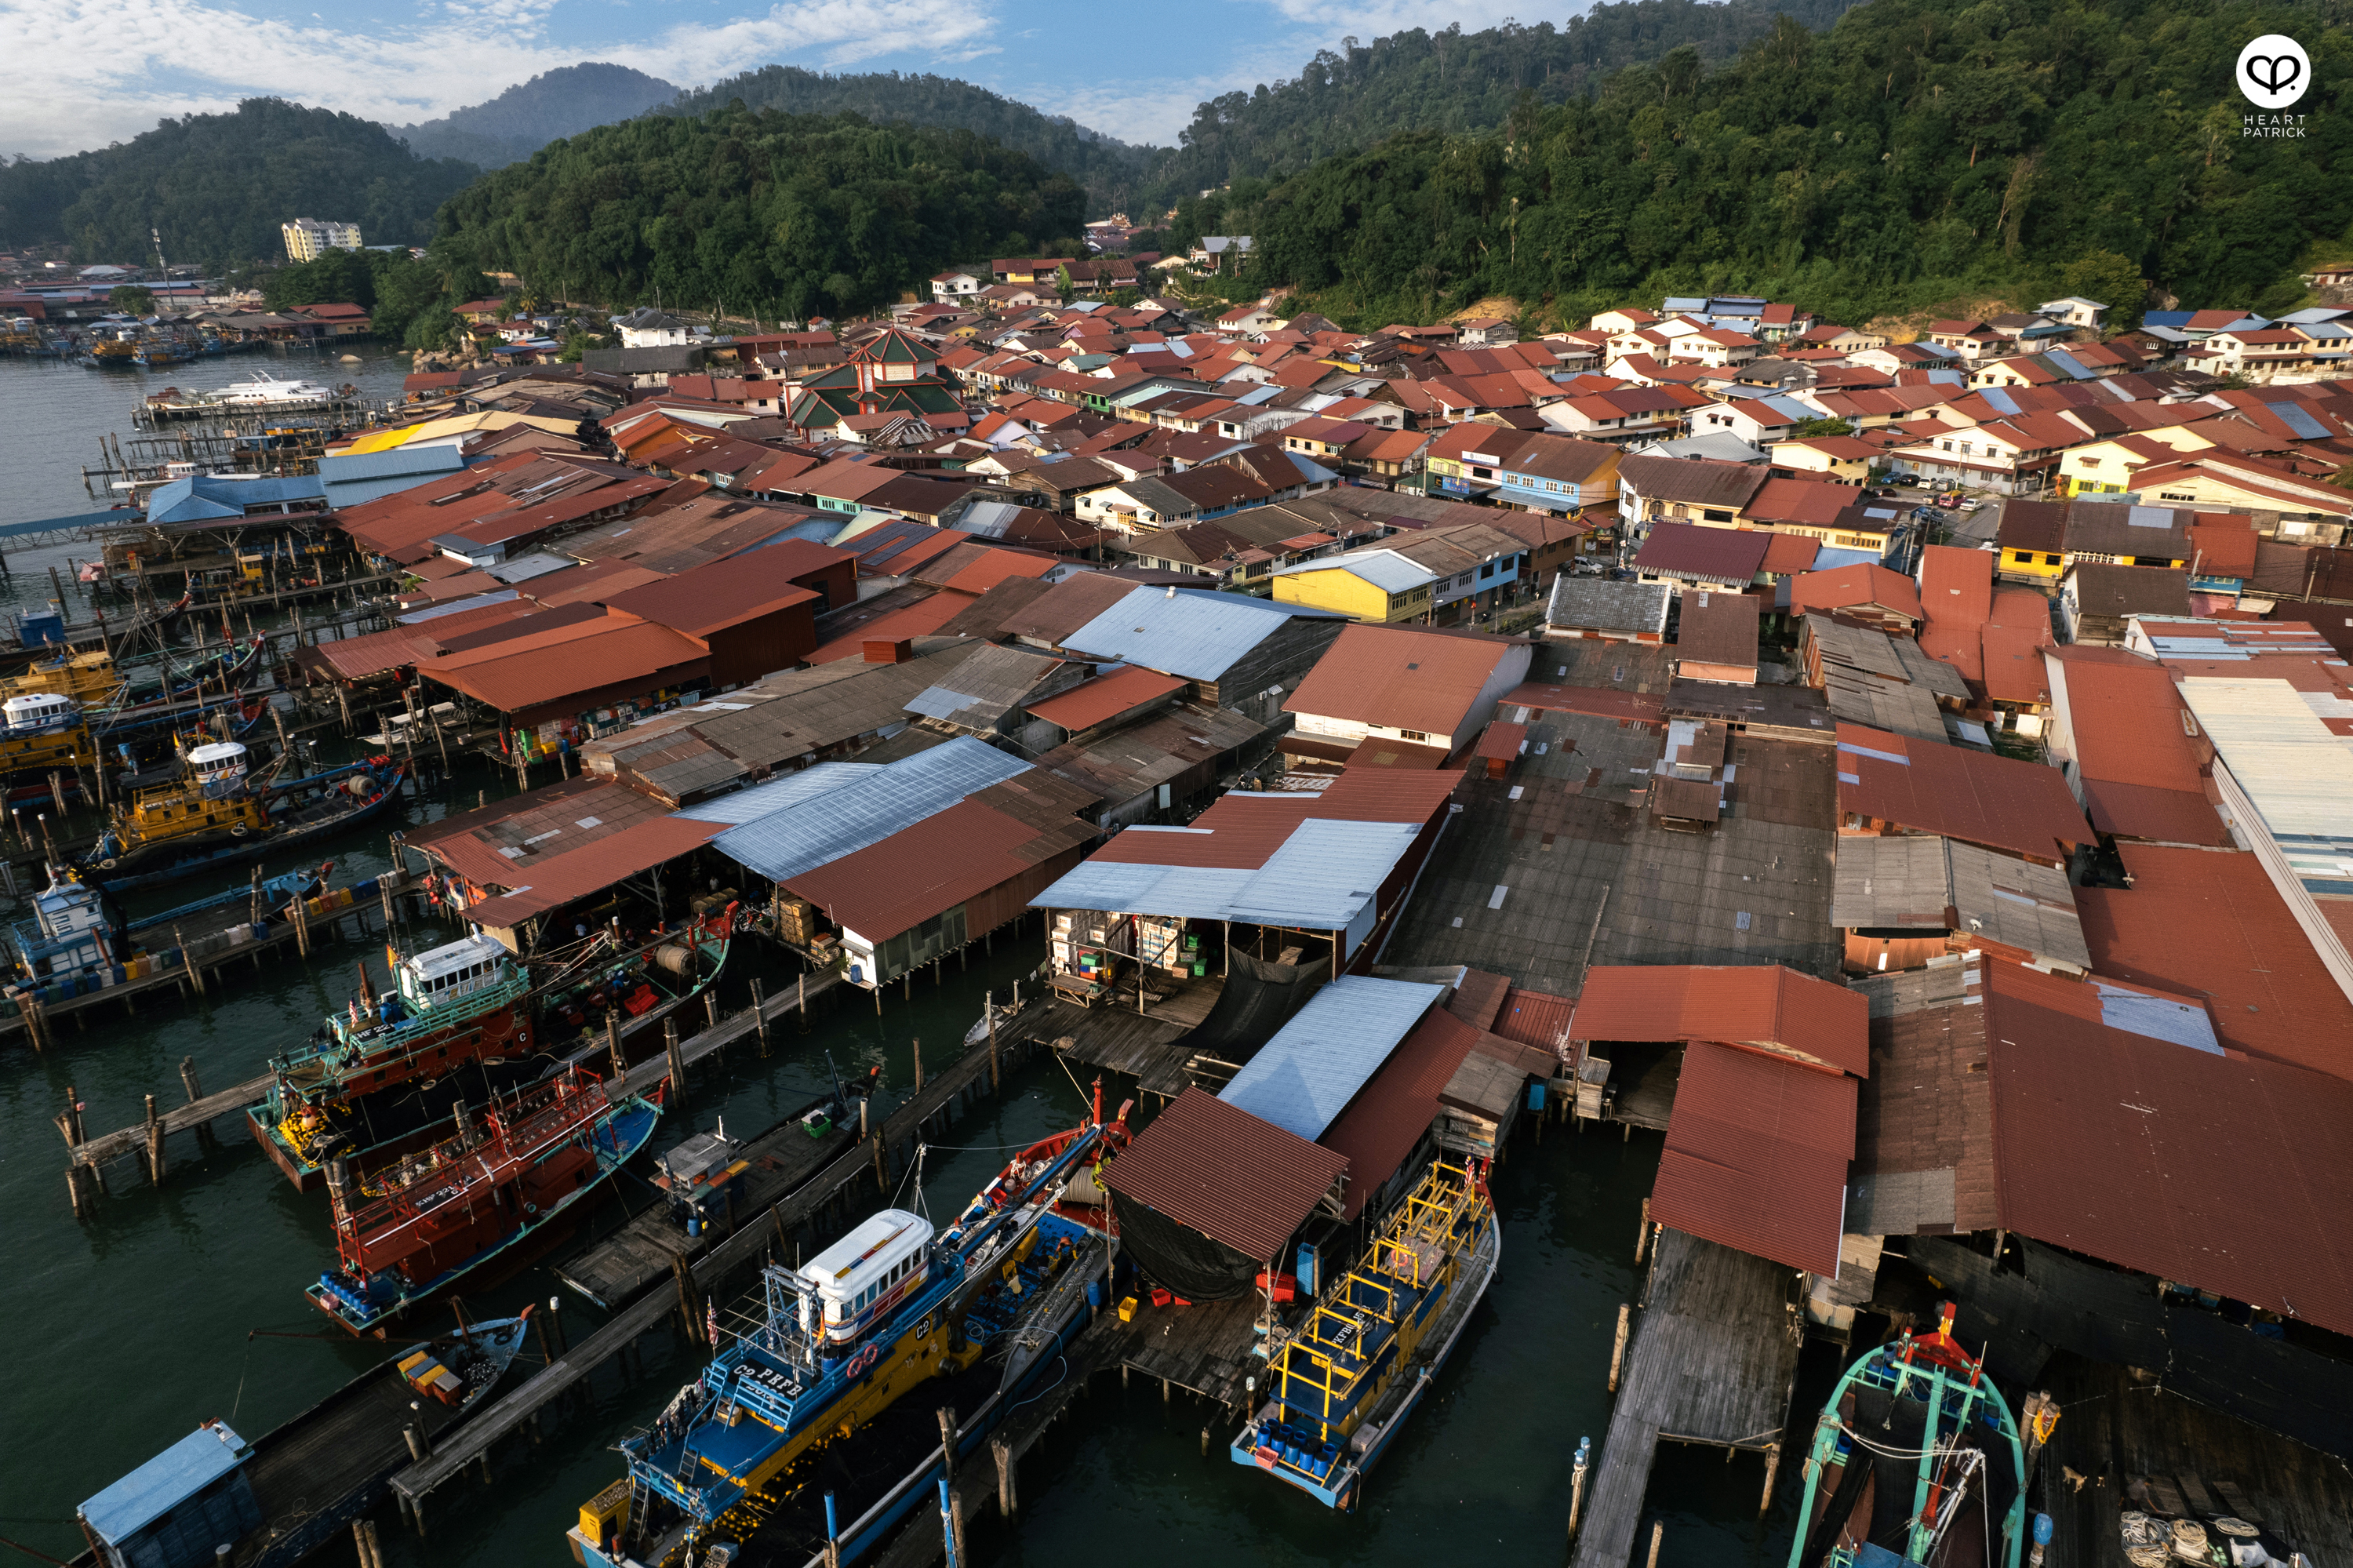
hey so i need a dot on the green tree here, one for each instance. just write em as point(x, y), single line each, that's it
point(133, 299)
point(1805, 429)
point(2110, 279)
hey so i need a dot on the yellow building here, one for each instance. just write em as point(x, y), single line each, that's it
point(1379, 585)
point(307, 238)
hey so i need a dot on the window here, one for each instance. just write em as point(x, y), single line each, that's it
point(1414, 733)
point(2050, 560)
point(2022, 558)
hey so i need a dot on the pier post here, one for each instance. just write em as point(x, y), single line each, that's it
point(301, 926)
point(555, 1323)
point(711, 1004)
point(613, 1044)
point(189, 1079)
point(85, 1206)
point(948, 1441)
point(1618, 1350)
point(58, 792)
point(1577, 1483)
point(418, 1451)
point(989, 1011)
point(760, 1012)
point(686, 1301)
point(919, 1064)
point(1772, 1468)
point(1658, 1534)
point(677, 1060)
point(1005, 1500)
point(188, 960)
point(1643, 1236)
point(801, 1017)
point(154, 1144)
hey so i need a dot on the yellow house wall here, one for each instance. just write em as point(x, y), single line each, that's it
point(1339, 590)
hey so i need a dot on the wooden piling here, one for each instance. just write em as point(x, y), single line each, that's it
point(1643, 1236)
point(711, 1005)
point(760, 1012)
point(189, 1079)
point(613, 1044)
point(1003, 1453)
point(1772, 1468)
point(1618, 1349)
point(188, 960)
point(417, 1451)
point(677, 1061)
point(948, 1440)
point(1658, 1534)
point(154, 1144)
point(687, 1305)
point(919, 1064)
point(989, 1011)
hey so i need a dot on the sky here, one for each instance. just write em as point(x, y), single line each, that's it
point(89, 73)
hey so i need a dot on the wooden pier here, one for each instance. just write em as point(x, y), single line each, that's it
point(1713, 1362)
point(820, 1206)
point(1144, 1046)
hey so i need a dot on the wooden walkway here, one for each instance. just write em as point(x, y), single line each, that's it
point(819, 1205)
point(1148, 1046)
point(1713, 1362)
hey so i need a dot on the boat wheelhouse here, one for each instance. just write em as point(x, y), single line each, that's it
point(866, 1276)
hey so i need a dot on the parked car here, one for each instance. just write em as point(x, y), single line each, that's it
point(1908, 480)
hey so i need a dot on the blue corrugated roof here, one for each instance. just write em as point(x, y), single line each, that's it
point(1683, 304)
point(2166, 318)
point(803, 833)
point(1305, 1077)
point(437, 457)
point(2059, 359)
point(165, 1481)
point(2001, 398)
point(1194, 633)
point(203, 497)
point(2296, 417)
point(764, 799)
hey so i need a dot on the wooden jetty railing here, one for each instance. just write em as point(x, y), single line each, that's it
point(822, 1202)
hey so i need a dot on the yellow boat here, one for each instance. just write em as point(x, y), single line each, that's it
point(89, 679)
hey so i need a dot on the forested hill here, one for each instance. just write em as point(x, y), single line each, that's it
point(1922, 150)
point(1449, 81)
point(757, 211)
point(530, 114)
point(218, 186)
point(1108, 170)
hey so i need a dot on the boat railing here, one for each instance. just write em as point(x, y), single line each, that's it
point(350, 1043)
point(549, 1113)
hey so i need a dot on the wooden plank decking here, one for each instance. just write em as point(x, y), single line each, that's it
point(1146, 1046)
point(1712, 1361)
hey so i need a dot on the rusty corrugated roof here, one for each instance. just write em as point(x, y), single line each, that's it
point(1225, 1173)
point(2140, 771)
point(1396, 1106)
point(1757, 1156)
point(1535, 1018)
point(931, 866)
point(1764, 1005)
point(2228, 1173)
point(1500, 741)
point(727, 593)
point(580, 660)
point(1399, 678)
point(594, 867)
point(1106, 698)
point(1974, 795)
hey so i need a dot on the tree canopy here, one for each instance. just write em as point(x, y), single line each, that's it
point(217, 187)
point(530, 114)
point(1109, 170)
point(1920, 151)
point(408, 300)
point(756, 211)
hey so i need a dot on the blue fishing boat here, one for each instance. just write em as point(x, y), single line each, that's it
point(1916, 1462)
point(512, 1177)
point(214, 1498)
point(1346, 1382)
point(886, 1309)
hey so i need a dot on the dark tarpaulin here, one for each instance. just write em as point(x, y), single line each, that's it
point(1259, 999)
point(1180, 1258)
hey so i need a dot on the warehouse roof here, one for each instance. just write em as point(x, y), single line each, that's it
point(1926, 883)
point(1757, 1156)
point(802, 827)
point(1182, 631)
point(1766, 1006)
point(1396, 677)
point(1305, 1076)
point(1974, 795)
point(1218, 1170)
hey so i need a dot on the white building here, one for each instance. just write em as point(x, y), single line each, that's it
point(307, 238)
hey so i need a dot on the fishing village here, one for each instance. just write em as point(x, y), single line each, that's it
point(884, 940)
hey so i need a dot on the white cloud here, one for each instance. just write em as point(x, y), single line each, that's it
point(178, 57)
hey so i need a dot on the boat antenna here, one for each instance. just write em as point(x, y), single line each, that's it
point(839, 1098)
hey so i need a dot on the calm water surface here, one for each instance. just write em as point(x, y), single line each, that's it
point(126, 1332)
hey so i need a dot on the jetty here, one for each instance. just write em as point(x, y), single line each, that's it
point(1713, 1362)
point(1145, 1042)
point(830, 1198)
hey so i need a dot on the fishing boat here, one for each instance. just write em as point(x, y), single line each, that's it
point(1915, 1461)
point(1343, 1384)
point(511, 1178)
point(273, 1502)
point(214, 815)
point(41, 731)
point(69, 947)
point(884, 1311)
point(464, 1022)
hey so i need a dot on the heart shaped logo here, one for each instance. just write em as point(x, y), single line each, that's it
point(2273, 72)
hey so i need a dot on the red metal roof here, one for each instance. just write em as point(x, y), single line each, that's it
point(1956, 597)
point(1243, 827)
point(1399, 678)
point(594, 867)
point(2211, 925)
point(1500, 741)
point(2228, 1173)
point(1763, 1005)
point(1595, 702)
point(1535, 1018)
point(1719, 555)
point(1225, 1173)
point(722, 594)
point(920, 619)
point(1389, 1113)
point(1106, 698)
point(1860, 584)
point(1786, 555)
point(544, 822)
point(995, 565)
point(1757, 1156)
point(529, 671)
point(933, 866)
point(2140, 768)
point(1974, 795)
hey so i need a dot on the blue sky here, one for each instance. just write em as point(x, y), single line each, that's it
point(87, 73)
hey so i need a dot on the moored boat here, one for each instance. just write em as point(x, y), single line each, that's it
point(272, 1502)
point(1916, 1459)
point(215, 816)
point(1343, 1384)
point(886, 1309)
point(509, 1178)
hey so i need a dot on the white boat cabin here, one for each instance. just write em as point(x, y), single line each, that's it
point(37, 713)
point(862, 1278)
point(459, 968)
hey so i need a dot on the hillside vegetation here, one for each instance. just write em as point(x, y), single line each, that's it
point(1923, 149)
point(530, 114)
point(1448, 81)
point(756, 211)
point(218, 186)
point(1107, 170)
